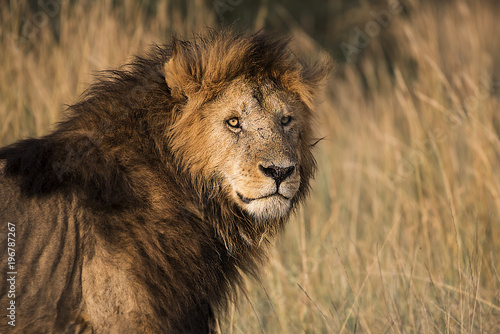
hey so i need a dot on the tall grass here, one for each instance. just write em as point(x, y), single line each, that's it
point(401, 232)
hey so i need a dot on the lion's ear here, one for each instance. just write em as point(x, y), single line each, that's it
point(182, 77)
point(176, 78)
point(314, 77)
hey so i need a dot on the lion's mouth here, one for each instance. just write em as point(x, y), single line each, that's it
point(247, 200)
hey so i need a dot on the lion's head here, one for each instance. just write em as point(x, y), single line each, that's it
point(244, 116)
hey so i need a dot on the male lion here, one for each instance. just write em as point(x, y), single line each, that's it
point(140, 212)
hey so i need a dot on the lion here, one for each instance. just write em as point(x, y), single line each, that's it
point(162, 187)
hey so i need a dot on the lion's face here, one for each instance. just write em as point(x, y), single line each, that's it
point(262, 130)
point(249, 138)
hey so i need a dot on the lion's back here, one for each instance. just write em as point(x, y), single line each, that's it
point(41, 261)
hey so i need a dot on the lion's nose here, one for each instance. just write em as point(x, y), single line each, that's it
point(277, 173)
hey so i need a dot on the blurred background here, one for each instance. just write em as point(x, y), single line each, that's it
point(401, 233)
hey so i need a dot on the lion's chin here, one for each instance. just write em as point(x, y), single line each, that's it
point(266, 208)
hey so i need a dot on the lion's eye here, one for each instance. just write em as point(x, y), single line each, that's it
point(285, 120)
point(234, 122)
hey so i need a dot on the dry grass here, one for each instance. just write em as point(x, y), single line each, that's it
point(402, 230)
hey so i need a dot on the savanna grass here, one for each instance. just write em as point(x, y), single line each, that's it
point(401, 230)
